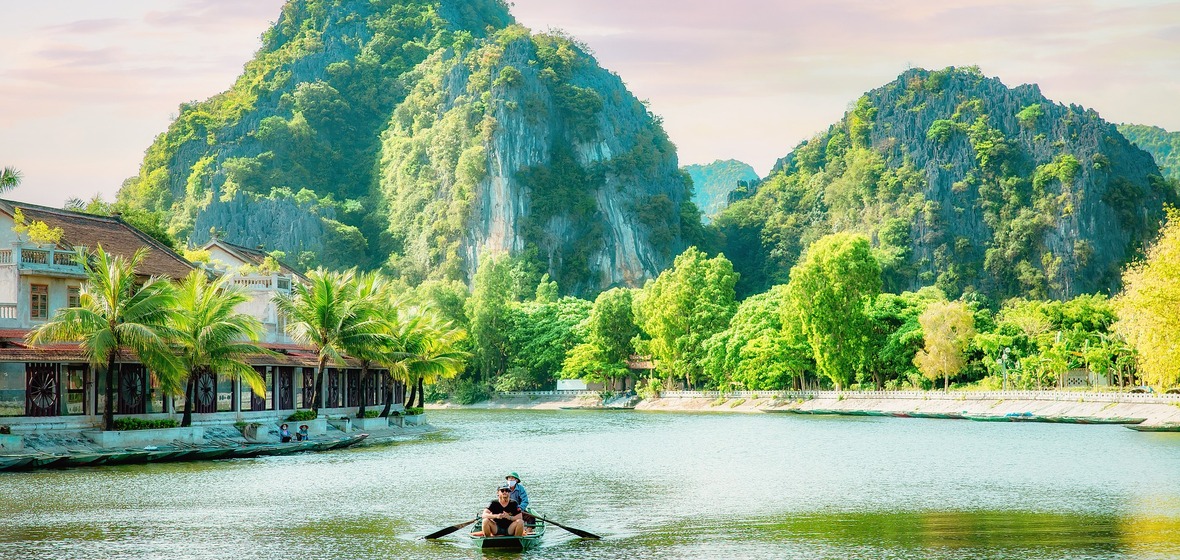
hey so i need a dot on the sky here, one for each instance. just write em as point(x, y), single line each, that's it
point(85, 86)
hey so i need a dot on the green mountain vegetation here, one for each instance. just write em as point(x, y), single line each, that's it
point(418, 135)
point(285, 157)
point(523, 144)
point(1164, 146)
point(962, 183)
point(712, 184)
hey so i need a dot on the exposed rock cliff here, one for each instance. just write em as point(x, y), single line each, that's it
point(398, 133)
point(522, 144)
point(963, 183)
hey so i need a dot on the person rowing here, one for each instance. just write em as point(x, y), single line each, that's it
point(518, 493)
point(503, 515)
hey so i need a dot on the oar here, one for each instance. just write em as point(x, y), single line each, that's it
point(578, 532)
point(449, 530)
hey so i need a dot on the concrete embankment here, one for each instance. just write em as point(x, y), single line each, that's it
point(1154, 409)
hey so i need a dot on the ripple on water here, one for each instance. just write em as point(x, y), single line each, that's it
point(655, 485)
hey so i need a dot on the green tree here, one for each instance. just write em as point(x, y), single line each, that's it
point(488, 310)
point(374, 301)
point(325, 314)
point(429, 349)
point(610, 331)
point(211, 337)
point(947, 328)
point(1149, 307)
point(755, 352)
point(539, 335)
point(831, 287)
point(897, 334)
point(118, 317)
point(682, 308)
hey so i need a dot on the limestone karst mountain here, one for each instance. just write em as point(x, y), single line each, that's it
point(418, 135)
point(963, 183)
point(713, 182)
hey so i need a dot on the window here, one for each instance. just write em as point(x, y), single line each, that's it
point(38, 301)
point(74, 298)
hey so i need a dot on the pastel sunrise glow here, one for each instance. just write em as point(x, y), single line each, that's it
point(85, 86)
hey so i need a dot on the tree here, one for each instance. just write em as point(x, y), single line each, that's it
point(9, 179)
point(610, 330)
point(430, 350)
point(539, 335)
point(831, 288)
point(488, 309)
point(326, 315)
point(897, 335)
point(211, 337)
point(947, 328)
point(373, 340)
point(1149, 307)
point(682, 308)
point(754, 352)
point(117, 318)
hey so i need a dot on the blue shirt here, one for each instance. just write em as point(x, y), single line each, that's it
point(519, 496)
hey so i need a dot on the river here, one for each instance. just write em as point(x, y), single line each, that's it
point(654, 485)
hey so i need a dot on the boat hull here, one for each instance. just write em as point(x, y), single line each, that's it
point(510, 544)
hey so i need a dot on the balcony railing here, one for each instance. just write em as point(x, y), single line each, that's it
point(44, 261)
point(261, 282)
point(7, 311)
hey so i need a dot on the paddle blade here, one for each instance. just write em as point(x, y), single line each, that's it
point(449, 530)
point(578, 532)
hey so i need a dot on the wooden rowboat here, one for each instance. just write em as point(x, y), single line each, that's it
point(1171, 427)
point(508, 543)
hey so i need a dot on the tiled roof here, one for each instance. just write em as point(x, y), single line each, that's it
point(14, 349)
point(115, 236)
point(254, 257)
point(637, 362)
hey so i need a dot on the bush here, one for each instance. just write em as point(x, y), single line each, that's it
point(302, 416)
point(372, 413)
point(129, 424)
point(414, 411)
point(650, 390)
point(516, 379)
point(470, 392)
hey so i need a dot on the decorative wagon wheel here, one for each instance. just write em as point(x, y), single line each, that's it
point(206, 390)
point(43, 390)
point(131, 394)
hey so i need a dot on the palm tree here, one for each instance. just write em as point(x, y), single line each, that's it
point(432, 355)
point(326, 315)
point(211, 336)
point(116, 315)
point(372, 297)
point(9, 179)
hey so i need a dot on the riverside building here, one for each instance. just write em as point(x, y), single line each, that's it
point(53, 387)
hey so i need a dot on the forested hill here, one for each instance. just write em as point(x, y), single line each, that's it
point(713, 182)
point(1164, 146)
point(960, 182)
point(416, 134)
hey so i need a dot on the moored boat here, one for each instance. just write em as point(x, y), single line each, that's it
point(1166, 427)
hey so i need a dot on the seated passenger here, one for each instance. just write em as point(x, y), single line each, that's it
point(520, 496)
point(302, 434)
point(502, 516)
point(284, 433)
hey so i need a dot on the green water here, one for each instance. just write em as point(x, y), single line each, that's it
point(654, 485)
